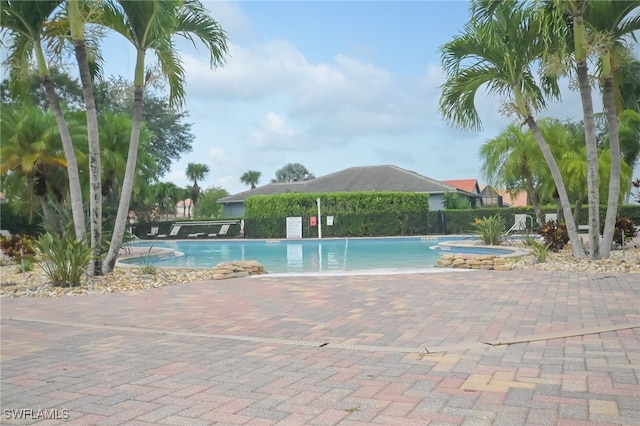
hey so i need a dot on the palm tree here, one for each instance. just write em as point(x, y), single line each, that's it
point(610, 24)
point(23, 22)
point(166, 195)
point(251, 177)
point(151, 25)
point(498, 52)
point(31, 147)
point(76, 30)
point(196, 172)
point(293, 172)
point(513, 160)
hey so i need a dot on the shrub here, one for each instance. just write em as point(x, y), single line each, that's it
point(540, 250)
point(624, 226)
point(555, 235)
point(64, 258)
point(491, 229)
point(11, 246)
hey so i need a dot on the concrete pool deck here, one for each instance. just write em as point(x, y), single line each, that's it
point(481, 347)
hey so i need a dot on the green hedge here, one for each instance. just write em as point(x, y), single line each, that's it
point(345, 225)
point(333, 204)
point(18, 223)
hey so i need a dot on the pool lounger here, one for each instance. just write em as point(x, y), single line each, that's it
point(196, 235)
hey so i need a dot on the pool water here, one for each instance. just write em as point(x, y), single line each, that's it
point(295, 256)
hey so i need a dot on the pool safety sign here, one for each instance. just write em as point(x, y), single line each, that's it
point(294, 227)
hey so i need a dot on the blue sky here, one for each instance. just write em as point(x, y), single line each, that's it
point(329, 85)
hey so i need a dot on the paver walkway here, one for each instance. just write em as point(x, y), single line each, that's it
point(388, 350)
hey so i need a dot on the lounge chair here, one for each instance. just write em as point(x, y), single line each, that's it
point(223, 231)
point(519, 223)
point(196, 235)
point(154, 232)
point(174, 230)
point(4, 233)
point(550, 216)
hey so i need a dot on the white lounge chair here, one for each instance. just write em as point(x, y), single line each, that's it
point(196, 235)
point(174, 230)
point(519, 223)
point(4, 233)
point(223, 231)
point(550, 216)
point(154, 232)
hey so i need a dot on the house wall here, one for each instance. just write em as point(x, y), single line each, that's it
point(233, 209)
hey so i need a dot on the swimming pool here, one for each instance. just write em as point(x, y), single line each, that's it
point(296, 256)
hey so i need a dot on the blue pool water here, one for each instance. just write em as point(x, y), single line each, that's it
point(291, 256)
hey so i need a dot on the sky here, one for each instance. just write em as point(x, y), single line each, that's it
point(330, 85)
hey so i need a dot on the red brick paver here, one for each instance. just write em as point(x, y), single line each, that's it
point(242, 352)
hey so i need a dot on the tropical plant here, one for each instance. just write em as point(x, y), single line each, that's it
point(513, 161)
point(31, 149)
point(23, 23)
point(625, 230)
point(539, 249)
point(498, 50)
point(490, 229)
point(611, 23)
point(64, 259)
point(151, 25)
point(555, 235)
point(196, 172)
point(293, 172)
point(455, 201)
point(207, 203)
point(17, 245)
point(251, 177)
point(76, 20)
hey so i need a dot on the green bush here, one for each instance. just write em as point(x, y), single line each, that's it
point(539, 250)
point(358, 203)
point(490, 229)
point(64, 258)
point(555, 234)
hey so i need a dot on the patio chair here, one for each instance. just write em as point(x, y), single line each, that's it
point(196, 235)
point(174, 230)
point(519, 223)
point(4, 233)
point(154, 232)
point(222, 232)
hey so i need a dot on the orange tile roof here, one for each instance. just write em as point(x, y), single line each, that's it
point(469, 185)
point(520, 200)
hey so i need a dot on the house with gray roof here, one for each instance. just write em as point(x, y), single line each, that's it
point(354, 179)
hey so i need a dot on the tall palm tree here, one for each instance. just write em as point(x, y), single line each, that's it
point(151, 25)
point(196, 172)
point(498, 53)
point(251, 177)
point(77, 32)
point(610, 23)
point(23, 22)
point(565, 31)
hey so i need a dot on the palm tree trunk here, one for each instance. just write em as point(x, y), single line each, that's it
point(577, 208)
point(95, 167)
point(533, 197)
point(574, 237)
point(130, 171)
point(592, 161)
point(95, 164)
point(75, 189)
point(614, 179)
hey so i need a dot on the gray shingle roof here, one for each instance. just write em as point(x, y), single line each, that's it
point(353, 179)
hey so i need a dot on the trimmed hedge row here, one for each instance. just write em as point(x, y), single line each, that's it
point(333, 204)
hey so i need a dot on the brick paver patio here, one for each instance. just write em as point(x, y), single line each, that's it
point(388, 350)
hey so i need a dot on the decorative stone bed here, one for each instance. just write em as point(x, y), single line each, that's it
point(475, 261)
point(237, 268)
